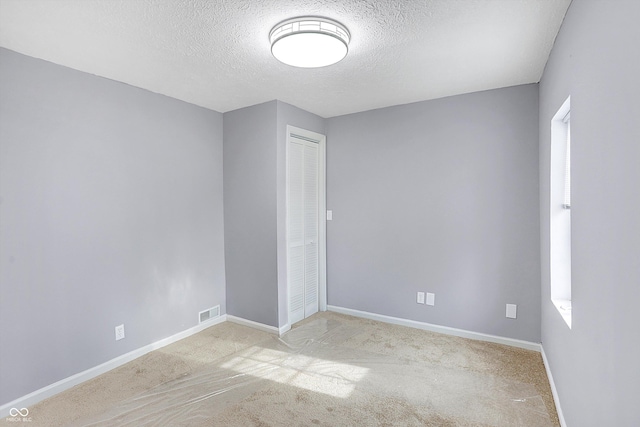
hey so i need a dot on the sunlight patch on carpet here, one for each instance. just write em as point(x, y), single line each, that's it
point(317, 375)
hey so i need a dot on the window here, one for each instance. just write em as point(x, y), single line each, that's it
point(560, 211)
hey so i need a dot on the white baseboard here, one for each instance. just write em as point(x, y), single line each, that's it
point(66, 383)
point(554, 391)
point(252, 324)
point(260, 326)
point(437, 328)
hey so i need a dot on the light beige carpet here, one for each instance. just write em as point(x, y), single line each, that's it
point(330, 370)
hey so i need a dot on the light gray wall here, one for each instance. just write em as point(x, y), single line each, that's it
point(438, 196)
point(255, 208)
point(250, 212)
point(111, 212)
point(596, 61)
point(294, 116)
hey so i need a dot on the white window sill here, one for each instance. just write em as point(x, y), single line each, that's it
point(564, 308)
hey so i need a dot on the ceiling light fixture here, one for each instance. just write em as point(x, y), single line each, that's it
point(309, 41)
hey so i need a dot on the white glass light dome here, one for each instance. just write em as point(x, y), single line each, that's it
point(309, 42)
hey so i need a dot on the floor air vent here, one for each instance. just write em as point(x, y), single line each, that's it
point(209, 314)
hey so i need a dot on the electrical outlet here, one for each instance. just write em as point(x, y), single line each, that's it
point(511, 311)
point(420, 299)
point(119, 332)
point(431, 299)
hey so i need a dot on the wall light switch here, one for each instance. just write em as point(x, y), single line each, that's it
point(511, 311)
point(431, 299)
point(329, 215)
point(420, 299)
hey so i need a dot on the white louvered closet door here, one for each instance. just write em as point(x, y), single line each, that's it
point(303, 229)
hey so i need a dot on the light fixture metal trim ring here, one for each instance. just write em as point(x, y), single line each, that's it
point(310, 25)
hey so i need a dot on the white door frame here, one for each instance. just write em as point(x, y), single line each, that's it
point(322, 212)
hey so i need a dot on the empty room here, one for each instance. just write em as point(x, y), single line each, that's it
point(331, 213)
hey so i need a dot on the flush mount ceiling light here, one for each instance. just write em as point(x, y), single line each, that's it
point(309, 42)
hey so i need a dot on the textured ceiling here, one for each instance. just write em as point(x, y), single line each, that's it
point(216, 53)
